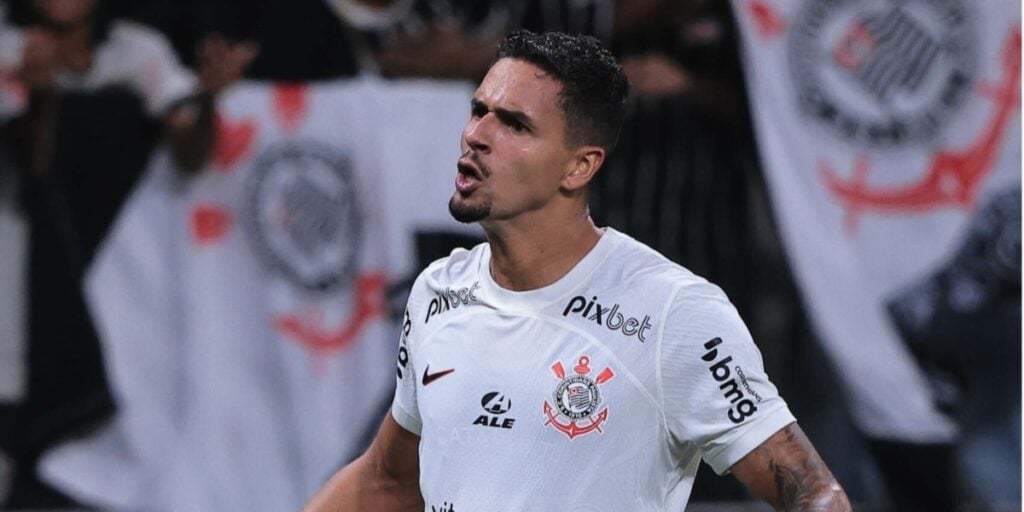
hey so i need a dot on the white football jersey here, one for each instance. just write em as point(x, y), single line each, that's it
point(601, 391)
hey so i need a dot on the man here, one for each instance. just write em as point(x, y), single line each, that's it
point(560, 366)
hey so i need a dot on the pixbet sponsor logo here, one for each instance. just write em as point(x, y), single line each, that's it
point(720, 371)
point(608, 317)
point(450, 299)
point(496, 404)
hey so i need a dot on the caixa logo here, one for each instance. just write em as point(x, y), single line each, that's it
point(608, 317)
point(450, 299)
point(720, 371)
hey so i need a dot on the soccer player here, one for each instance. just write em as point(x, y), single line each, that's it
point(561, 366)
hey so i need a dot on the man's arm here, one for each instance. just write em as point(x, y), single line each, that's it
point(385, 478)
point(191, 126)
point(787, 472)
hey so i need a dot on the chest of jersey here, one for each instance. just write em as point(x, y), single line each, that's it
point(498, 391)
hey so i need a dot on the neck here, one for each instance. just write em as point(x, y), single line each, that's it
point(533, 253)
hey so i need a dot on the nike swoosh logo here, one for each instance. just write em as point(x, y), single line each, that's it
point(431, 377)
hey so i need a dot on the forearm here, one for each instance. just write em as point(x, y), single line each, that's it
point(192, 132)
point(810, 492)
point(38, 132)
point(787, 472)
point(361, 486)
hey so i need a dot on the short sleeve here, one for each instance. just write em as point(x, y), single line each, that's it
point(404, 408)
point(158, 77)
point(716, 393)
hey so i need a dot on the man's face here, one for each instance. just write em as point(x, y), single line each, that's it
point(64, 13)
point(514, 151)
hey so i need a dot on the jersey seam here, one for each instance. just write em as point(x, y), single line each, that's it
point(611, 353)
point(658, 366)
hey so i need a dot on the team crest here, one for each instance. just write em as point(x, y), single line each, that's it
point(577, 399)
point(883, 73)
point(303, 215)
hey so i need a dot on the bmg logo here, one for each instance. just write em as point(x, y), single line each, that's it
point(743, 407)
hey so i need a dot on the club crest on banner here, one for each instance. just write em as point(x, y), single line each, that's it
point(882, 75)
point(303, 215)
point(303, 220)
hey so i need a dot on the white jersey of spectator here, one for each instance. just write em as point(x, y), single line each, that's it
point(132, 56)
point(140, 59)
point(601, 391)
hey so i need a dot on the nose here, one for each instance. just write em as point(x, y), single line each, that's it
point(475, 134)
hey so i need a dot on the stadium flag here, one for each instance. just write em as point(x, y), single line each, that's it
point(890, 136)
point(244, 312)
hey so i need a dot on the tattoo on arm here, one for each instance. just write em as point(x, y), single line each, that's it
point(788, 472)
point(794, 486)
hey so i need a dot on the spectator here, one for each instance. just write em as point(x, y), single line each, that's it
point(75, 45)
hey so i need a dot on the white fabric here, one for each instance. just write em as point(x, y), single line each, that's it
point(13, 271)
point(139, 58)
point(365, 17)
point(601, 391)
point(12, 42)
point(865, 214)
point(235, 388)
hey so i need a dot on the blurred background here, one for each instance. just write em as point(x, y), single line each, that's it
point(211, 213)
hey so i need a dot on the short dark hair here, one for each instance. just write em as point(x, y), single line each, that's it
point(594, 88)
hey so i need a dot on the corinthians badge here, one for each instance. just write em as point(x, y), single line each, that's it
point(576, 400)
point(883, 73)
point(303, 215)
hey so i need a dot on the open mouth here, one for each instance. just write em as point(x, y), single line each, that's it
point(469, 168)
point(469, 177)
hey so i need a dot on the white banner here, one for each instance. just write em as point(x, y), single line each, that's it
point(243, 312)
point(884, 128)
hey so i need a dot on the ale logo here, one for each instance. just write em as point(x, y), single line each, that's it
point(495, 404)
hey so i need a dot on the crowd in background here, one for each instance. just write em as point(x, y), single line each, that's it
point(686, 178)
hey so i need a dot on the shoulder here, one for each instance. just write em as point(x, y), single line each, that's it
point(138, 37)
point(459, 265)
point(688, 299)
point(646, 270)
point(453, 273)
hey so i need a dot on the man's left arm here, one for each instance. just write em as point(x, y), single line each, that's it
point(787, 472)
point(190, 126)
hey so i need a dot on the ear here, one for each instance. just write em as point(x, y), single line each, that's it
point(583, 167)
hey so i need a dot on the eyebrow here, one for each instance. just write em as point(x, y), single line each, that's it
point(506, 116)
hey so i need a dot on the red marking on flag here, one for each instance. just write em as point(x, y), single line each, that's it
point(290, 105)
point(853, 49)
point(769, 23)
point(210, 222)
point(370, 304)
point(952, 178)
point(558, 370)
point(234, 142)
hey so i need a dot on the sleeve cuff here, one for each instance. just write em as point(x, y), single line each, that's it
point(406, 420)
point(723, 459)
